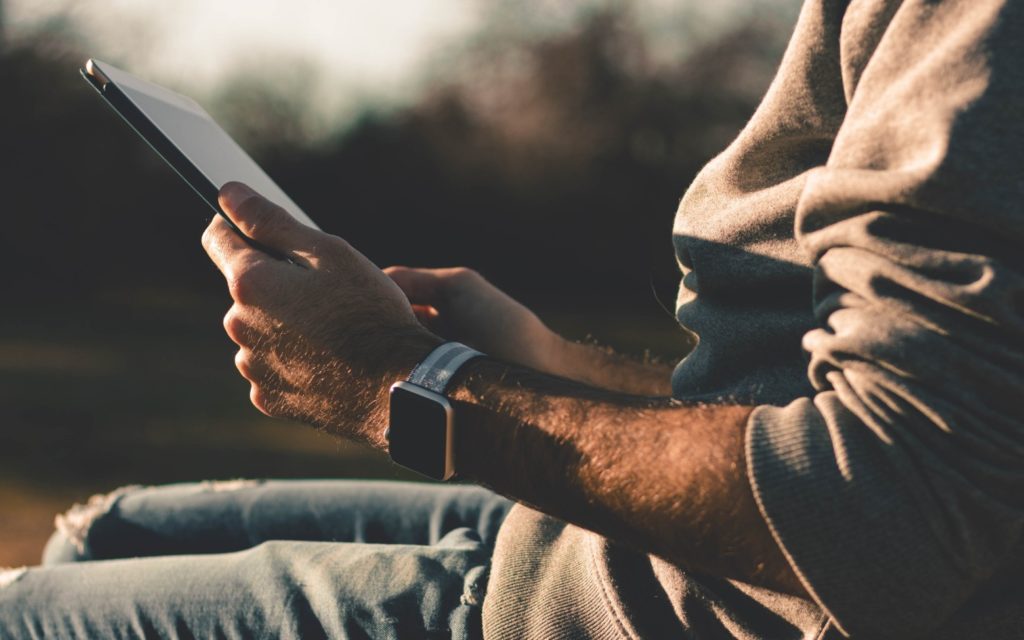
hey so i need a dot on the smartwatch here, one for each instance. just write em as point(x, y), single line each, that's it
point(421, 421)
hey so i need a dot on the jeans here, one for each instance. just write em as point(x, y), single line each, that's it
point(275, 559)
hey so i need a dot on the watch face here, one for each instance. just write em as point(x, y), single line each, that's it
point(418, 430)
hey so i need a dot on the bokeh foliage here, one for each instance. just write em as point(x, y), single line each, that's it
point(552, 163)
point(551, 160)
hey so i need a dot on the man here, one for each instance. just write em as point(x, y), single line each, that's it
point(870, 212)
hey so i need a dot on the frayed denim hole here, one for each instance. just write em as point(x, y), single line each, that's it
point(474, 586)
point(78, 520)
point(10, 576)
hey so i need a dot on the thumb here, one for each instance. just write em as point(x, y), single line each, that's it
point(261, 219)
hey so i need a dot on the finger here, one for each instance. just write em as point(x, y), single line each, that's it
point(252, 368)
point(268, 394)
point(425, 313)
point(263, 400)
point(423, 287)
point(264, 394)
point(225, 248)
point(429, 317)
point(261, 219)
point(240, 329)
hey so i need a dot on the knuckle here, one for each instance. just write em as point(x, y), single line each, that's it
point(243, 362)
point(335, 246)
point(207, 238)
point(459, 280)
point(264, 218)
point(238, 287)
point(465, 275)
point(241, 284)
point(262, 400)
point(233, 323)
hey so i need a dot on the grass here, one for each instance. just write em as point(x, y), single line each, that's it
point(141, 389)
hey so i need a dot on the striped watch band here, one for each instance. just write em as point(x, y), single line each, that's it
point(438, 368)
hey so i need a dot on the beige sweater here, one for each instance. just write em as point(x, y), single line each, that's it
point(854, 264)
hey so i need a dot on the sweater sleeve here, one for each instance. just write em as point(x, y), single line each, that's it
point(897, 488)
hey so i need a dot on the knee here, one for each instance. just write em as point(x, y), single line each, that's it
point(59, 549)
point(70, 541)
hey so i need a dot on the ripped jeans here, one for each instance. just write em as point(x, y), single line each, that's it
point(276, 559)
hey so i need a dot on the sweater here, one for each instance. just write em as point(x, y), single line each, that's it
point(853, 265)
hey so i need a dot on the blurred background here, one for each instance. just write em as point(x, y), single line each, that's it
point(544, 142)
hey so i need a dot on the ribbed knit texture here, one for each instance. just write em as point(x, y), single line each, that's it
point(560, 580)
point(869, 219)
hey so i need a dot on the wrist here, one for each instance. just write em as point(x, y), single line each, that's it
point(554, 354)
point(421, 420)
point(573, 360)
point(394, 361)
point(407, 351)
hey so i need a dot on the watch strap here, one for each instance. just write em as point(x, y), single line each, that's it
point(436, 371)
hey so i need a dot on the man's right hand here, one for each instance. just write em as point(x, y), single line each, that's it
point(459, 304)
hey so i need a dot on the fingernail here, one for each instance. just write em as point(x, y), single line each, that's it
point(235, 193)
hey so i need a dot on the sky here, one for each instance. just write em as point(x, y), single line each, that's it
point(363, 46)
point(343, 53)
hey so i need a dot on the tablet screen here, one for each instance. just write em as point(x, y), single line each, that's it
point(197, 136)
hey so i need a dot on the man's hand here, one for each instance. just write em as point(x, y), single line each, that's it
point(320, 341)
point(459, 304)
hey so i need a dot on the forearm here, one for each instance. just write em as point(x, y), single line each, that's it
point(604, 368)
point(459, 304)
point(663, 478)
point(656, 475)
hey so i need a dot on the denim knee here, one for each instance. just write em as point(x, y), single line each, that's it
point(138, 521)
point(73, 529)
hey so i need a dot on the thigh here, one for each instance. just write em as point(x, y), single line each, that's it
point(219, 517)
point(284, 589)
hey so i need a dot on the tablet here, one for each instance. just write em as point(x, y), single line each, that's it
point(187, 138)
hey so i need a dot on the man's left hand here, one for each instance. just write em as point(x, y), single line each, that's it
point(320, 340)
